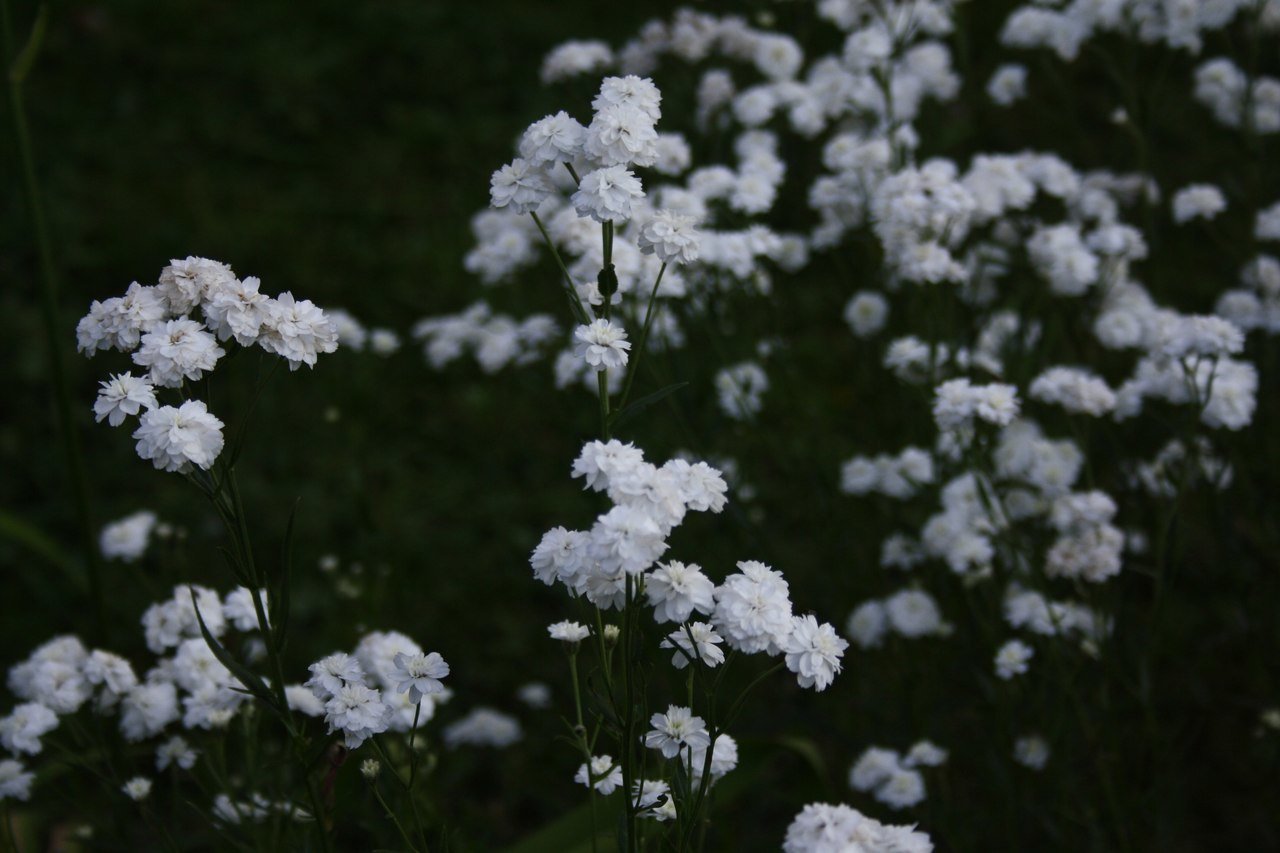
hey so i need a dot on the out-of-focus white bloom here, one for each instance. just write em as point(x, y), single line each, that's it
point(121, 396)
point(740, 389)
point(20, 732)
point(1012, 659)
point(301, 699)
point(602, 344)
point(483, 727)
point(15, 781)
point(137, 789)
point(904, 788)
point(535, 694)
point(1198, 201)
point(1008, 84)
point(1267, 224)
point(914, 613)
point(867, 624)
point(574, 58)
point(238, 608)
point(925, 754)
point(958, 402)
point(175, 752)
point(866, 313)
point(147, 709)
point(127, 538)
point(1031, 751)
point(825, 828)
point(1076, 390)
point(174, 439)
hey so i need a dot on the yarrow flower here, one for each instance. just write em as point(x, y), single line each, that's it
point(127, 538)
point(177, 350)
point(175, 439)
point(607, 194)
point(137, 789)
point(825, 828)
point(671, 237)
point(518, 185)
point(419, 674)
point(676, 730)
point(1012, 659)
point(676, 590)
point(569, 632)
point(605, 776)
point(15, 781)
point(813, 652)
point(121, 396)
point(602, 344)
point(695, 641)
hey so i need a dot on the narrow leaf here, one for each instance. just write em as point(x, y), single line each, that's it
point(247, 678)
point(633, 409)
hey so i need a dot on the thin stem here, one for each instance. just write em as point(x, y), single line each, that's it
point(581, 731)
point(638, 352)
point(575, 301)
point(49, 312)
point(391, 814)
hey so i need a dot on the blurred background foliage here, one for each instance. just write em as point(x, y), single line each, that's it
point(338, 150)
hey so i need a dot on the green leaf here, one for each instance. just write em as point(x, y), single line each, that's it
point(633, 409)
point(243, 674)
point(27, 57)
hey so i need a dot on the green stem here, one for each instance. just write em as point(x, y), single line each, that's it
point(638, 352)
point(395, 820)
point(17, 67)
point(575, 302)
point(581, 731)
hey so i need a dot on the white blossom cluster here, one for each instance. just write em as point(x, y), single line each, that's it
point(495, 340)
point(390, 683)
point(895, 779)
point(826, 828)
point(154, 324)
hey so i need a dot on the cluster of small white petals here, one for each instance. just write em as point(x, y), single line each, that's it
point(910, 613)
point(675, 731)
point(604, 775)
point(813, 652)
point(127, 538)
point(1199, 201)
point(602, 344)
point(1012, 659)
point(175, 439)
point(826, 828)
point(483, 727)
point(892, 778)
point(1074, 389)
point(958, 403)
point(898, 476)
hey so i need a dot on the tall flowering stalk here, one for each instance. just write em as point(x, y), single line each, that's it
point(665, 773)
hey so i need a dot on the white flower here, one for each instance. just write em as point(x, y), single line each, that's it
point(560, 555)
point(825, 828)
point(1012, 658)
point(607, 194)
point(724, 757)
point(137, 789)
point(174, 439)
point(925, 754)
point(675, 591)
point(112, 672)
point(903, 788)
point(147, 709)
point(176, 350)
point(296, 331)
point(1008, 84)
point(676, 730)
point(695, 641)
point(21, 731)
point(1198, 201)
point(605, 776)
point(631, 91)
point(622, 135)
point(569, 632)
point(913, 613)
point(867, 624)
point(866, 313)
point(15, 781)
point(483, 727)
point(175, 752)
point(753, 609)
point(419, 674)
point(358, 712)
point(300, 698)
point(121, 396)
point(813, 652)
point(127, 538)
point(600, 462)
point(185, 284)
point(1031, 751)
point(671, 236)
point(626, 539)
point(602, 344)
point(239, 610)
point(236, 310)
point(518, 185)
point(552, 140)
point(873, 768)
point(332, 673)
